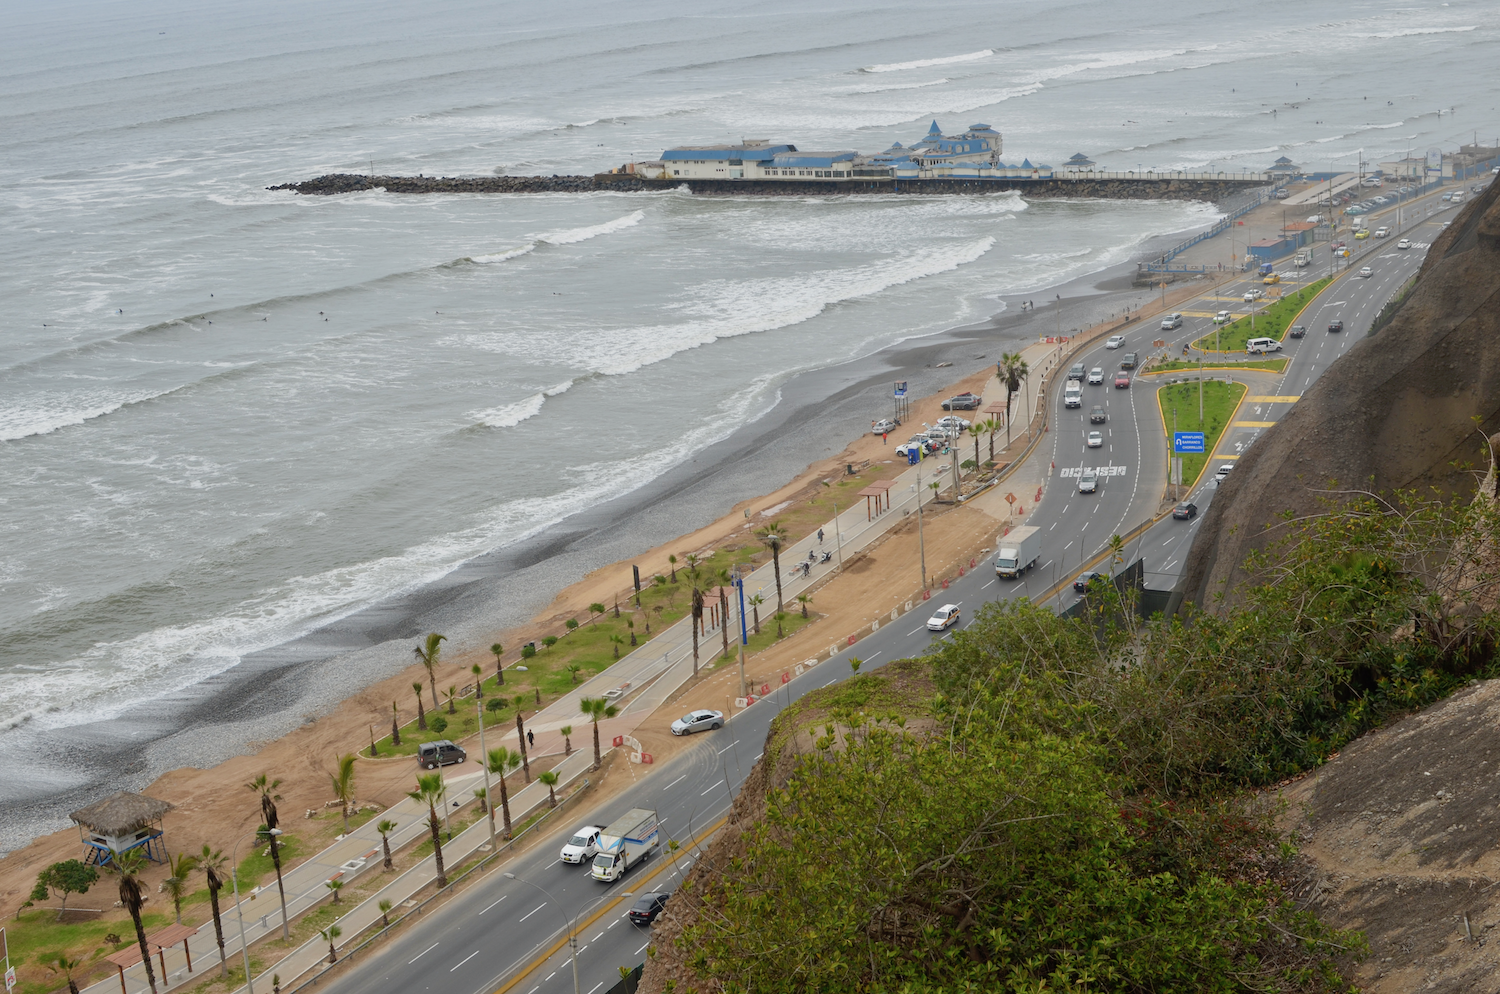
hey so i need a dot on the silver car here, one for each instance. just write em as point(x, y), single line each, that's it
point(698, 721)
point(1096, 376)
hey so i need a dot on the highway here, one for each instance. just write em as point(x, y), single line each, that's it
point(487, 938)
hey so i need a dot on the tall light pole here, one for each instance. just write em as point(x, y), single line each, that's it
point(921, 545)
point(572, 920)
point(739, 585)
point(484, 765)
point(234, 876)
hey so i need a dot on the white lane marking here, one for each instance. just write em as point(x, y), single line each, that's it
point(464, 960)
point(597, 937)
point(549, 976)
point(596, 986)
point(830, 683)
point(497, 902)
point(991, 583)
point(719, 784)
point(534, 989)
point(729, 747)
point(421, 954)
point(757, 757)
point(873, 655)
point(533, 911)
point(1068, 546)
point(614, 923)
point(642, 949)
point(675, 782)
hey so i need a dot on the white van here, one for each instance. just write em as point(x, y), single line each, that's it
point(1073, 395)
point(1260, 346)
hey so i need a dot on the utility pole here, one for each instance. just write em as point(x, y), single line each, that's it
point(921, 545)
point(484, 764)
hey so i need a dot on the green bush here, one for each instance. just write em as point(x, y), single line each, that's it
point(438, 724)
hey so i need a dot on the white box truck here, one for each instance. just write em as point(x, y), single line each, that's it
point(1303, 259)
point(624, 843)
point(1018, 552)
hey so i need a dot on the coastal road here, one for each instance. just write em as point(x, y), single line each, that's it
point(496, 935)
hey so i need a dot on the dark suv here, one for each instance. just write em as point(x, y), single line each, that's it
point(431, 755)
point(1297, 331)
point(1076, 371)
point(1335, 326)
point(647, 907)
point(1096, 416)
point(1129, 361)
point(963, 402)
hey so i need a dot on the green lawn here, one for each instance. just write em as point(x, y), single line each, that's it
point(1271, 321)
point(1176, 365)
point(1219, 402)
point(36, 935)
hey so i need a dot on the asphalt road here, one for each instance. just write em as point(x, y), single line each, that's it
point(490, 936)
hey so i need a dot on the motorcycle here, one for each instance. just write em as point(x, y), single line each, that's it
point(825, 557)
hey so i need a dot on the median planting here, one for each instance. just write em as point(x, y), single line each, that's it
point(1272, 319)
point(1179, 412)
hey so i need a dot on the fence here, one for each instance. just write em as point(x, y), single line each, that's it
point(1219, 227)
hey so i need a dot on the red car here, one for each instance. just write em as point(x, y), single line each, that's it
point(1122, 381)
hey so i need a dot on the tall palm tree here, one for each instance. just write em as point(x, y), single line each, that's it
point(416, 688)
point(773, 537)
point(428, 656)
point(176, 884)
point(701, 580)
point(430, 792)
point(595, 708)
point(212, 863)
point(976, 430)
point(521, 736)
point(673, 561)
point(1013, 370)
point(385, 828)
point(268, 798)
point(478, 672)
point(502, 763)
point(498, 650)
point(343, 786)
point(549, 778)
point(395, 724)
point(128, 866)
point(724, 611)
point(991, 425)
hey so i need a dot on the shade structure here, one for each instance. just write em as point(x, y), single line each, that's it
point(881, 492)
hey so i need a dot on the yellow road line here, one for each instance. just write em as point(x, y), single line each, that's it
point(1251, 424)
point(1225, 455)
point(608, 907)
point(1289, 399)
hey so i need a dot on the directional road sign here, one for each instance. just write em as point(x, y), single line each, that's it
point(1187, 441)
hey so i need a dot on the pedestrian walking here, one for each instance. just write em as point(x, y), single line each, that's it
point(820, 536)
point(531, 738)
point(883, 436)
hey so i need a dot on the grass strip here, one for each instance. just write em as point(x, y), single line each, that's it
point(1269, 323)
point(1179, 412)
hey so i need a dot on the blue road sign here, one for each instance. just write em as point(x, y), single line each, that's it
point(1187, 441)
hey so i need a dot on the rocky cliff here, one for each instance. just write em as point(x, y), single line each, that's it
point(1408, 407)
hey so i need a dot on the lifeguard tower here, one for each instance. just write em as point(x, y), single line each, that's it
point(120, 823)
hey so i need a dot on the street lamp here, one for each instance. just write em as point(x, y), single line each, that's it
point(234, 876)
point(571, 920)
point(484, 765)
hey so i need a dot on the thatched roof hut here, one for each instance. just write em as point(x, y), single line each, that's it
point(119, 822)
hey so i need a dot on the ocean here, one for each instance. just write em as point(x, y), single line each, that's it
point(232, 419)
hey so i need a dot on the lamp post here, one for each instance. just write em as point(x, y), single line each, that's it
point(572, 920)
point(739, 585)
point(239, 913)
point(485, 766)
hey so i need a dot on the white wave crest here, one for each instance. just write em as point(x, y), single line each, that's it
point(47, 413)
point(924, 63)
point(894, 86)
point(510, 415)
point(573, 235)
point(494, 257)
point(1409, 32)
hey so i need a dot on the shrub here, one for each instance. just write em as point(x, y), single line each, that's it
point(438, 724)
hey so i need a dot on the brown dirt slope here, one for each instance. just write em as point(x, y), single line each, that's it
point(1397, 411)
point(1398, 838)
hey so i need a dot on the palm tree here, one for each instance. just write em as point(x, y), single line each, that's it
point(385, 906)
point(395, 724)
point(478, 672)
point(329, 934)
point(780, 617)
point(428, 657)
point(630, 624)
point(212, 862)
point(724, 611)
point(452, 694)
point(1012, 371)
point(59, 963)
point(128, 866)
point(334, 886)
point(521, 736)
point(268, 797)
point(976, 430)
point(385, 828)
point(700, 581)
point(416, 688)
point(617, 640)
point(483, 797)
point(804, 600)
point(567, 734)
point(550, 779)
point(991, 425)
point(595, 708)
point(773, 537)
point(343, 786)
point(498, 650)
point(176, 884)
point(430, 791)
point(503, 762)
point(755, 603)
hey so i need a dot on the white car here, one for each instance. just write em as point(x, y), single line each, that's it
point(1366, 273)
point(1088, 482)
point(1223, 472)
point(1115, 341)
point(1223, 317)
point(883, 426)
point(944, 617)
point(1403, 244)
point(1096, 439)
point(698, 721)
point(583, 846)
point(953, 421)
point(1096, 376)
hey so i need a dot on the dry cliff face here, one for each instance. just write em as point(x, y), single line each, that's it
point(1397, 838)
point(1396, 412)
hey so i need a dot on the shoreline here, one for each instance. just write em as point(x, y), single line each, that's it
point(520, 590)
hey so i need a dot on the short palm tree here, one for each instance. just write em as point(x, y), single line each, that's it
point(976, 431)
point(177, 884)
point(395, 724)
point(430, 791)
point(452, 699)
point(429, 656)
point(60, 963)
point(128, 866)
point(630, 624)
point(804, 600)
point(755, 603)
point(266, 788)
point(992, 425)
point(498, 650)
point(483, 797)
point(773, 537)
point(385, 906)
point(673, 561)
point(343, 786)
point(549, 778)
point(616, 640)
point(416, 688)
point(330, 934)
point(385, 828)
point(478, 672)
point(567, 734)
point(595, 708)
point(212, 862)
point(502, 763)
point(334, 886)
